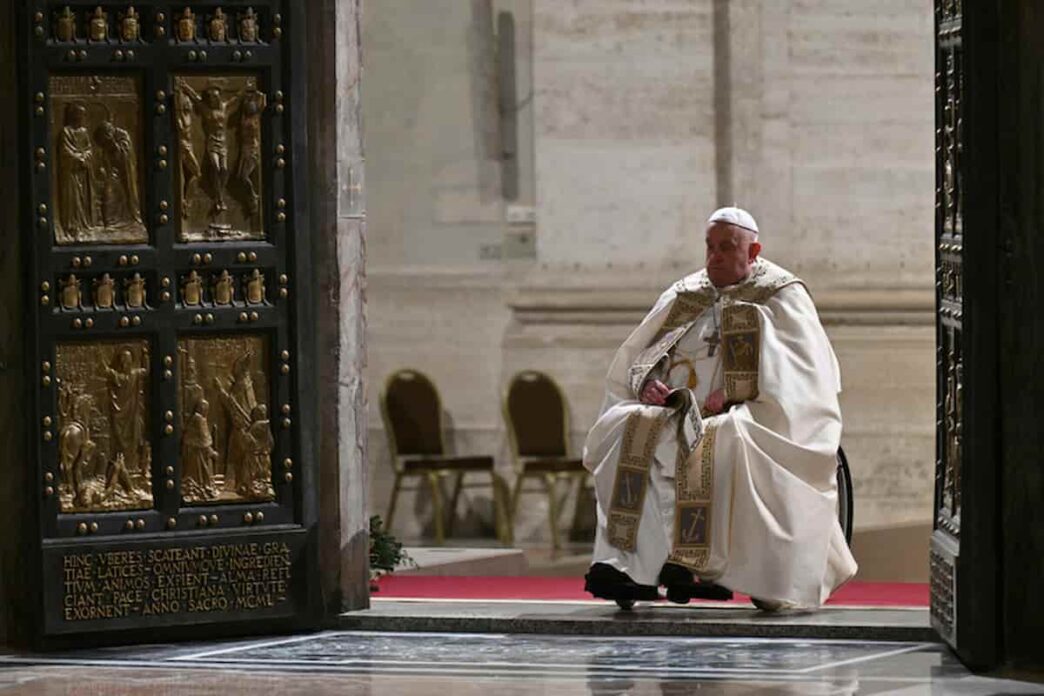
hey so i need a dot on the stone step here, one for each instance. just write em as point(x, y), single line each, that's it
point(648, 619)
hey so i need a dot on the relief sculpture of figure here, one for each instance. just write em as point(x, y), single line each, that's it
point(75, 447)
point(240, 402)
point(187, 25)
point(65, 27)
point(261, 444)
point(192, 289)
point(224, 289)
point(127, 404)
point(248, 26)
point(130, 25)
point(190, 170)
point(71, 296)
point(213, 113)
point(217, 28)
point(104, 292)
point(120, 202)
point(99, 25)
point(256, 287)
point(191, 390)
point(75, 183)
point(198, 455)
point(250, 147)
point(135, 291)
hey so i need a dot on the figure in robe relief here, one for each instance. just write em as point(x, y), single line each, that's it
point(198, 455)
point(126, 404)
point(240, 401)
point(75, 181)
point(120, 202)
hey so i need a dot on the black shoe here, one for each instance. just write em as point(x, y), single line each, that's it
point(682, 586)
point(606, 582)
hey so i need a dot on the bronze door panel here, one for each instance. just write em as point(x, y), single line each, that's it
point(226, 432)
point(104, 453)
point(217, 120)
point(96, 140)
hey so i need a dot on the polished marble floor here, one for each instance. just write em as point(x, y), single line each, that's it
point(365, 663)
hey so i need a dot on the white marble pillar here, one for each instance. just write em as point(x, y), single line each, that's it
point(339, 222)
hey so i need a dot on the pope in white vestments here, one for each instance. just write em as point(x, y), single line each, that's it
point(714, 456)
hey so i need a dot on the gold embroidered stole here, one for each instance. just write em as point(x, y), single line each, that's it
point(694, 464)
point(641, 434)
point(687, 308)
point(694, 501)
point(741, 339)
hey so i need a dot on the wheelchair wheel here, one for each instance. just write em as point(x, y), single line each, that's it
point(844, 495)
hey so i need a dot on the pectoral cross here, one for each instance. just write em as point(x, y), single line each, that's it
point(713, 341)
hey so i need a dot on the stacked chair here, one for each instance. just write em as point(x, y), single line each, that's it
point(412, 413)
point(537, 418)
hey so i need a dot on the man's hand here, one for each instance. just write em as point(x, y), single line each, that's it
point(655, 393)
point(715, 402)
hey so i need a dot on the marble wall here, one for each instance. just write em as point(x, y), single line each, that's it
point(815, 115)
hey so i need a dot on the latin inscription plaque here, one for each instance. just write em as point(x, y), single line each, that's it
point(129, 584)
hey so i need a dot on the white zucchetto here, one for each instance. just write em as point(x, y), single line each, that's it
point(734, 216)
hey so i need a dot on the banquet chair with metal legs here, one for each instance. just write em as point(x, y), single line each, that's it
point(413, 420)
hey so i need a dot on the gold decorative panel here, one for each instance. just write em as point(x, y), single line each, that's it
point(217, 119)
point(103, 450)
point(96, 173)
point(226, 442)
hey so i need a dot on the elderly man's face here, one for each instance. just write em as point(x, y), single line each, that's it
point(731, 251)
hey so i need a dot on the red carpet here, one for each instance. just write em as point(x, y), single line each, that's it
point(893, 594)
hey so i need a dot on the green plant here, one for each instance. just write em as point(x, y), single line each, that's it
point(386, 552)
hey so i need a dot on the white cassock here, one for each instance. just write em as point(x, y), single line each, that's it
point(746, 498)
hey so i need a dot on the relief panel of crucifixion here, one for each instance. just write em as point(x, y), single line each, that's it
point(217, 122)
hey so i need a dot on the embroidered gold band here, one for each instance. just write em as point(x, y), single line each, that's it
point(641, 435)
point(694, 493)
point(687, 308)
point(741, 337)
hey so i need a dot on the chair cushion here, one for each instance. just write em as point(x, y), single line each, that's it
point(552, 466)
point(480, 463)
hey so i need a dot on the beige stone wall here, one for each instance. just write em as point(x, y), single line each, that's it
point(815, 115)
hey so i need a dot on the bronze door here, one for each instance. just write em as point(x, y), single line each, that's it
point(965, 558)
point(168, 313)
point(949, 272)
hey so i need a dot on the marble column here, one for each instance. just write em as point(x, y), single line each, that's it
point(339, 232)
